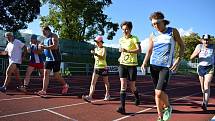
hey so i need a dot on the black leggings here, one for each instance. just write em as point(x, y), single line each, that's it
point(160, 77)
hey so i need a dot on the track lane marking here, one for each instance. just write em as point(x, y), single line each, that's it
point(133, 114)
point(61, 115)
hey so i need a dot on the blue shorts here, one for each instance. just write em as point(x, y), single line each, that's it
point(203, 70)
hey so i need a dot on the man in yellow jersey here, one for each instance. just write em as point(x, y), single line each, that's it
point(129, 48)
point(100, 69)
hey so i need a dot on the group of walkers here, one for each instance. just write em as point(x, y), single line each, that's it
point(159, 57)
point(16, 50)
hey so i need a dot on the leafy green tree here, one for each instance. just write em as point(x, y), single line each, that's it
point(190, 44)
point(79, 19)
point(15, 14)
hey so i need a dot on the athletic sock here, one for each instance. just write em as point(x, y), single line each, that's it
point(122, 98)
point(136, 94)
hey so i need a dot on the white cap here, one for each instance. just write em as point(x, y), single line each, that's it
point(206, 36)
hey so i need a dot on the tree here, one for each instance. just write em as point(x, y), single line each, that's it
point(190, 44)
point(79, 19)
point(15, 14)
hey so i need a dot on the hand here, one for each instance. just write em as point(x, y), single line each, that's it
point(42, 47)
point(122, 50)
point(175, 65)
point(92, 51)
point(143, 66)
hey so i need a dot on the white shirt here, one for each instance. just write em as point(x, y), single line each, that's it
point(14, 50)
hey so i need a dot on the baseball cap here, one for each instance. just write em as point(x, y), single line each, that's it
point(99, 39)
point(206, 36)
point(34, 36)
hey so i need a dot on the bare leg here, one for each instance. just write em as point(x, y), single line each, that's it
point(207, 83)
point(30, 69)
point(107, 85)
point(201, 79)
point(93, 84)
point(132, 85)
point(59, 78)
point(158, 101)
point(46, 79)
point(41, 72)
point(10, 69)
point(164, 99)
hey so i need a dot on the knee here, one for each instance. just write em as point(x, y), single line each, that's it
point(133, 89)
point(157, 95)
point(206, 91)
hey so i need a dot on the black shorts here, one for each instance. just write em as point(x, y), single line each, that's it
point(101, 71)
point(160, 76)
point(53, 65)
point(129, 72)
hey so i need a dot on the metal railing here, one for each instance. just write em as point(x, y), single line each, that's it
point(3, 65)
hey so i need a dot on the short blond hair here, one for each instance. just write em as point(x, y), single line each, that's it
point(8, 34)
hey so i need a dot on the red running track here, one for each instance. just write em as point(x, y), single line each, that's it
point(184, 93)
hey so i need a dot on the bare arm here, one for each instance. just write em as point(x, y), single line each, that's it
point(99, 55)
point(180, 42)
point(3, 52)
point(54, 45)
point(24, 51)
point(195, 53)
point(38, 51)
point(148, 53)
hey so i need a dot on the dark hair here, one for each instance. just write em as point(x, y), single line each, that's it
point(127, 23)
point(158, 15)
point(46, 28)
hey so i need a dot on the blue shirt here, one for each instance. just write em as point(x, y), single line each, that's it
point(51, 54)
point(163, 48)
point(35, 58)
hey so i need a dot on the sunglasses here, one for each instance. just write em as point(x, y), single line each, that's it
point(156, 21)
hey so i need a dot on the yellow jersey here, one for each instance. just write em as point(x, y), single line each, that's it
point(129, 59)
point(100, 62)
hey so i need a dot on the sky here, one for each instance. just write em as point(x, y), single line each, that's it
point(186, 15)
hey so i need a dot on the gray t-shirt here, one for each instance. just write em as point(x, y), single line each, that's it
point(206, 55)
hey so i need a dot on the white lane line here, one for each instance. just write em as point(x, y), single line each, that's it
point(133, 114)
point(61, 115)
point(22, 113)
point(28, 97)
point(18, 98)
point(39, 110)
point(124, 117)
point(10, 115)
